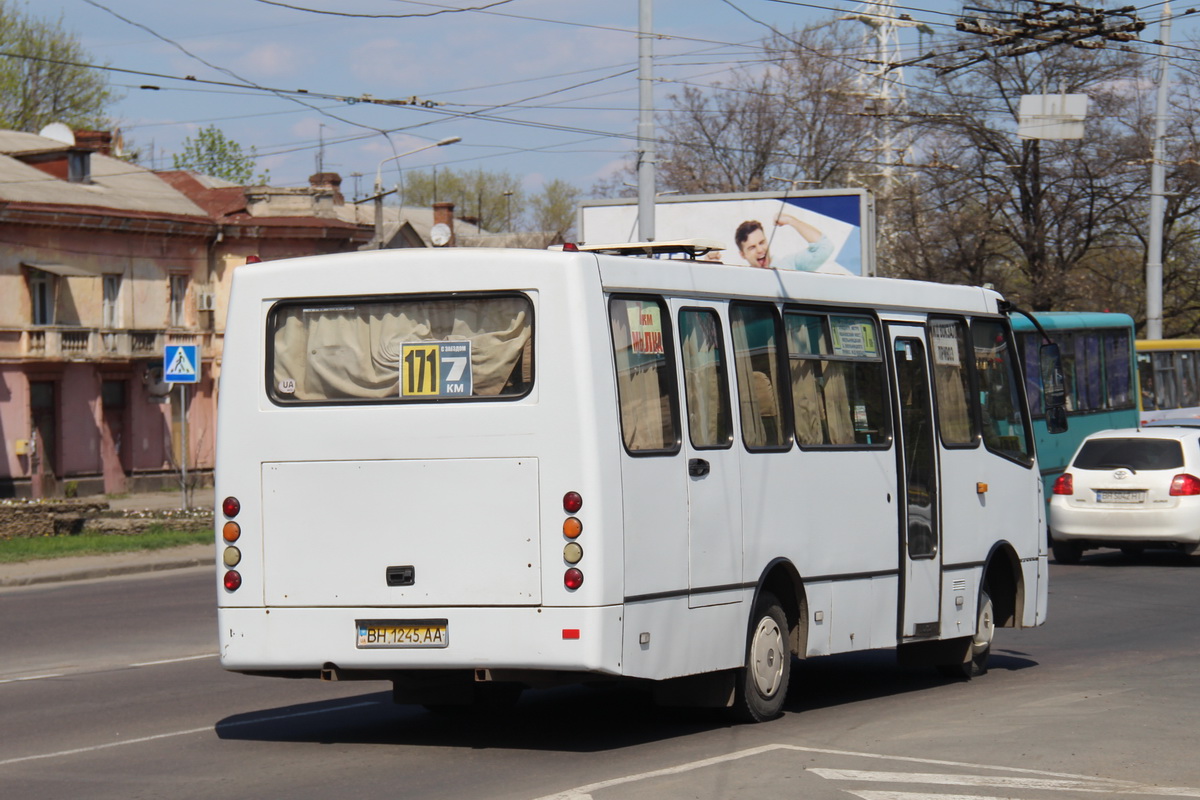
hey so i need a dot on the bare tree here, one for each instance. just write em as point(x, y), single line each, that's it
point(798, 117)
point(1043, 208)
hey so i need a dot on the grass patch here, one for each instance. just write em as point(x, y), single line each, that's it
point(93, 544)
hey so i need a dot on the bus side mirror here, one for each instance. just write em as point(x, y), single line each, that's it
point(1054, 388)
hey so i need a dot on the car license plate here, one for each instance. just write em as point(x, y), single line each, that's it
point(403, 633)
point(1120, 496)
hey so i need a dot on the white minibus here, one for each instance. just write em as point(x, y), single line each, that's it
point(472, 471)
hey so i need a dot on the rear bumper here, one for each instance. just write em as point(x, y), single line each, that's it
point(1116, 524)
point(307, 639)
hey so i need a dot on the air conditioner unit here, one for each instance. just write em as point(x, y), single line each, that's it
point(206, 301)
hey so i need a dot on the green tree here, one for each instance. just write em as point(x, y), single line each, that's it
point(553, 210)
point(39, 80)
point(213, 153)
point(494, 201)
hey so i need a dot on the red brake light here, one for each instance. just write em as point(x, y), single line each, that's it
point(1185, 485)
point(233, 579)
point(1065, 484)
point(230, 506)
point(572, 502)
point(573, 579)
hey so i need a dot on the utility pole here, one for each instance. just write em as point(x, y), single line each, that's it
point(1154, 267)
point(646, 154)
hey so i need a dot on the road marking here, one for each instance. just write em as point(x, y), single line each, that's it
point(992, 782)
point(31, 677)
point(173, 734)
point(174, 660)
point(109, 669)
point(913, 796)
point(1068, 781)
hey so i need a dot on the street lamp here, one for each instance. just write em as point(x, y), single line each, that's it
point(379, 182)
point(508, 203)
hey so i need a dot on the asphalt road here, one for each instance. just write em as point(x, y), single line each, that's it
point(111, 689)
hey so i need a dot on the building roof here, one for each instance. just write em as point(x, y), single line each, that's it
point(116, 185)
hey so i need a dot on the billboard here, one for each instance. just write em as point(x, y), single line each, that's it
point(826, 230)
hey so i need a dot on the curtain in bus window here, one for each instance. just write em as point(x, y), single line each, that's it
point(1187, 380)
point(1088, 374)
point(710, 421)
point(837, 402)
point(1119, 376)
point(353, 351)
point(806, 338)
point(1066, 344)
point(1003, 425)
point(1145, 377)
point(756, 366)
point(948, 342)
point(1166, 386)
point(644, 375)
point(1031, 347)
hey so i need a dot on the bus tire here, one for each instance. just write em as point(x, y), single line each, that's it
point(762, 683)
point(1067, 552)
point(979, 646)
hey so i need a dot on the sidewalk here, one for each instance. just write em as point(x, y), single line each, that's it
point(75, 568)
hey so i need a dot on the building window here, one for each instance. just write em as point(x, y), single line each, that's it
point(179, 285)
point(112, 294)
point(41, 295)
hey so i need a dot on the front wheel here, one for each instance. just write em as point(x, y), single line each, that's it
point(762, 684)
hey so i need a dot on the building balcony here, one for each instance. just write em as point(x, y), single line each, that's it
point(69, 343)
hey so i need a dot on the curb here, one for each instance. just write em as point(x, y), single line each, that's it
point(92, 567)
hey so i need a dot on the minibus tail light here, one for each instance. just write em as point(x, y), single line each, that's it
point(230, 506)
point(1185, 485)
point(572, 502)
point(233, 579)
point(231, 531)
point(573, 579)
point(1065, 484)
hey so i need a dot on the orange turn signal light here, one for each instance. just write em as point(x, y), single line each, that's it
point(231, 531)
point(572, 527)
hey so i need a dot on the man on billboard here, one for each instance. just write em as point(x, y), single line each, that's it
point(754, 246)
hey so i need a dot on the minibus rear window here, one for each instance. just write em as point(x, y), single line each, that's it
point(423, 349)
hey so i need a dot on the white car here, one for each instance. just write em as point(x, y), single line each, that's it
point(1132, 488)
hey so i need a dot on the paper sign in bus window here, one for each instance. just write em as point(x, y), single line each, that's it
point(944, 339)
point(435, 369)
point(645, 329)
point(853, 336)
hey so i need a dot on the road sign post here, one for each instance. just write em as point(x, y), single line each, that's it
point(181, 364)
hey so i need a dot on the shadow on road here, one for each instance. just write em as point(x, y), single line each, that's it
point(577, 718)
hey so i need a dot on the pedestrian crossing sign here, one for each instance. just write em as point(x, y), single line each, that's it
point(181, 363)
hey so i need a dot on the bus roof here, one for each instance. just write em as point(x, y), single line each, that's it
point(1072, 320)
point(1168, 344)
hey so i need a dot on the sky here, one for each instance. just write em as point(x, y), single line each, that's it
point(539, 89)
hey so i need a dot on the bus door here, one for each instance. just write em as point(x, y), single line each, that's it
point(714, 487)
point(918, 492)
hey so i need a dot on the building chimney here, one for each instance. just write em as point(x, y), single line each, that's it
point(97, 141)
point(329, 182)
point(443, 214)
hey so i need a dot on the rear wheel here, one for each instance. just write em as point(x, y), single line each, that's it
point(762, 684)
point(1066, 552)
point(975, 658)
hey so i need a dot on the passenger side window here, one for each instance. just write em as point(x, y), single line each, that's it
point(951, 357)
point(645, 375)
point(837, 378)
point(1004, 429)
point(756, 363)
point(705, 385)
